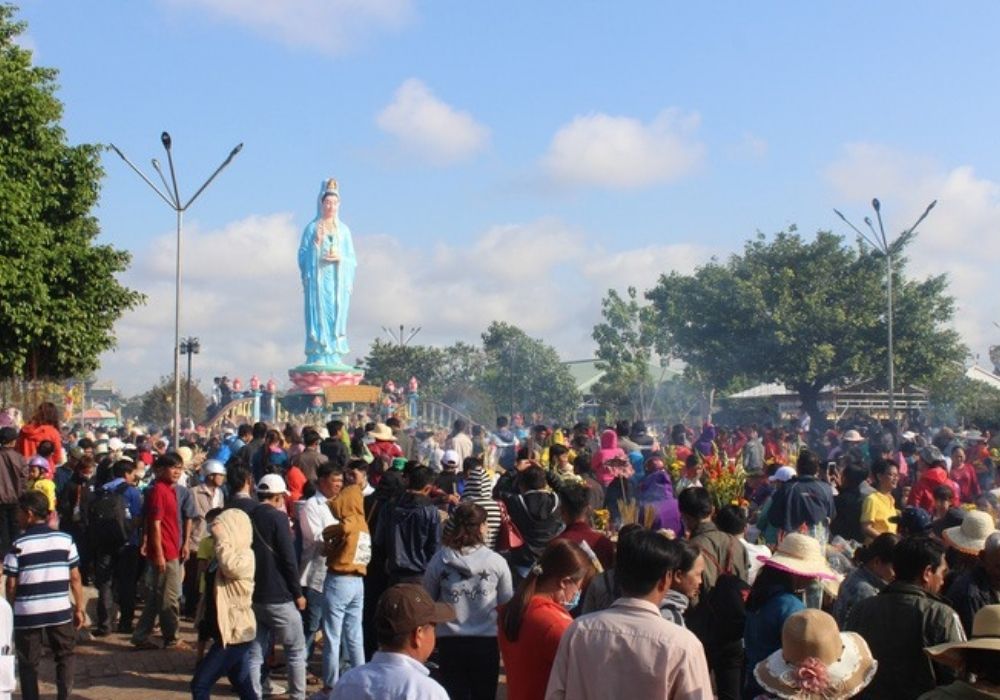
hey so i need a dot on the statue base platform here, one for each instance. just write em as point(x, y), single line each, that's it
point(313, 379)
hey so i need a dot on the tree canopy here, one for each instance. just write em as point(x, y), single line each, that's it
point(525, 375)
point(59, 296)
point(805, 313)
point(511, 371)
point(157, 404)
point(625, 343)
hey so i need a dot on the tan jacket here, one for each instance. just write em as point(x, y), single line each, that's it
point(233, 535)
point(348, 543)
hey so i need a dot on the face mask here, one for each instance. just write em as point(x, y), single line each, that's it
point(572, 602)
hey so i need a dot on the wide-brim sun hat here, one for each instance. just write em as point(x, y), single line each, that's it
point(985, 635)
point(852, 436)
point(970, 536)
point(185, 453)
point(382, 432)
point(800, 555)
point(816, 661)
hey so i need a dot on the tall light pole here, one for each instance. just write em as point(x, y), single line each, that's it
point(189, 347)
point(173, 200)
point(879, 242)
point(401, 338)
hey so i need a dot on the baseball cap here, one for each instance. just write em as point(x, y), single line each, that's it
point(783, 474)
point(271, 485)
point(931, 455)
point(7, 434)
point(407, 606)
point(450, 458)
point(214, 466)
point(914, 519)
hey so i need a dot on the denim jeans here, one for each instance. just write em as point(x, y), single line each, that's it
point(312, 618)
point(230, 661)
point(163, 600)
point(284, 622)
point(343, 600)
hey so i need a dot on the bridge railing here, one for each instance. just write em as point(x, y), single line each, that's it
point(236, 411)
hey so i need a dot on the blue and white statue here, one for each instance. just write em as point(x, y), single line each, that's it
point(327, 264)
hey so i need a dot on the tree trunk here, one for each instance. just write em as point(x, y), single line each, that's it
point(809, 397)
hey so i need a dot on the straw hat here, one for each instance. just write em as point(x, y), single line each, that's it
point(185, 453)
point(985, 635)
point(970, 536)
point(801, 555)
point(382, 432)
point(852, 436)
point(816, 661)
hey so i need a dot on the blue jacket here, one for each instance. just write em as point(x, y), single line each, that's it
point(805, 500)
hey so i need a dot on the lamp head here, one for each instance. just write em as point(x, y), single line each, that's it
point(876, 205)
point(165, 139)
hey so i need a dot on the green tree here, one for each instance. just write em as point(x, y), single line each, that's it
point(807, 313)
point(59, 296)
point(157, 404)
point(387, 361)
point(525, 375)
point(625, 340)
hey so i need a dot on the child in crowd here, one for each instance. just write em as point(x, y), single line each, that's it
point(692, 473)
point(38, 480)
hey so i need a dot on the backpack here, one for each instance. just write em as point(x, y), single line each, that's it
point(108, 521)
point(719, 616)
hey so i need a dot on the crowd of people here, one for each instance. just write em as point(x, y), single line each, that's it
point(389, 561)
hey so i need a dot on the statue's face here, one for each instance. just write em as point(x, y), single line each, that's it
point(330, 205)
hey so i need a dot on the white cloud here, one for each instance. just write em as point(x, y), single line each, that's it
point(242, 297)
point(430, 128)
point(329, 26)
point(954, 239)
point(753, 147)
point(621, 152)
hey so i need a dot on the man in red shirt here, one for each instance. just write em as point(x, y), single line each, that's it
point(574, 504)
point(162, 549)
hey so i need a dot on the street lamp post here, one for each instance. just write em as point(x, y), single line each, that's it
point(881, 243)
point(173, 200)
point(189, 347)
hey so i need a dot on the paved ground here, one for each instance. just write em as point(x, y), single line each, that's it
point(109, 668)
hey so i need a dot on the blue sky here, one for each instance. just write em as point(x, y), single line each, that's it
point(515, 160)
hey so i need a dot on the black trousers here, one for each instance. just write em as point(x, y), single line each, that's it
point(28, 642)
point(115, 576)
point(9, 529)
point(469, 667)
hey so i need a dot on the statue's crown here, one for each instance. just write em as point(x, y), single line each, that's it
point(331, 187)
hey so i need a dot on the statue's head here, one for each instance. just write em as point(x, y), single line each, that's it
point(329, 198)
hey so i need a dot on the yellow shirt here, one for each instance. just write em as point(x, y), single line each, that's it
point(877, 509)
point(47, 487)
point(206, 551)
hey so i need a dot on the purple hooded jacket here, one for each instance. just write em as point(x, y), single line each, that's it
point(656, 491)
